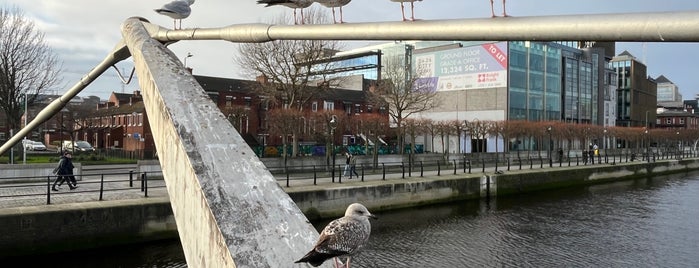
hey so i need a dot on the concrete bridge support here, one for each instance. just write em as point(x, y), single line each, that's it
point(230, 211)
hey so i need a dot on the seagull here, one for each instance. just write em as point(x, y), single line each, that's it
point(342, 237)
point(295, 4)
point(333, 4)
point(412, 8)
point(178, 10)
point(492, 9)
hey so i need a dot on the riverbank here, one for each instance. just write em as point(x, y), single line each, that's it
point(94, 224)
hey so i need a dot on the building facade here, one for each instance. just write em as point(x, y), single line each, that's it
point(636, 92)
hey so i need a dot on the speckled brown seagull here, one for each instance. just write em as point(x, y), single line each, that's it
point(412, 8)
point(295, 4)
point(492, 9)
point(342, 237)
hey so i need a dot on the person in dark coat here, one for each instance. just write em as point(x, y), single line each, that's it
point(64, 172)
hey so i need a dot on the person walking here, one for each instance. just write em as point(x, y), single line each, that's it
point(353, 166)
point(348, 157)
point(64, 172)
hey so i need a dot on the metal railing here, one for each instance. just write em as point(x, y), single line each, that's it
point(41, 186)
point(463, 165)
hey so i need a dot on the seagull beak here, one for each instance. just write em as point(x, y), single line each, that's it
point(373, 216)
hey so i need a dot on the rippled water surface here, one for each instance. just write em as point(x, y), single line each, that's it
point(641, 223)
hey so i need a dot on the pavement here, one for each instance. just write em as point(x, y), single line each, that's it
point(112, 183)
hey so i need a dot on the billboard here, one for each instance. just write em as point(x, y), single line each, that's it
point(474, 67)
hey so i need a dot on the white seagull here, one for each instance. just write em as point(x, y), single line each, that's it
point(295, 4)
point(412, 8)
point(342, 237)
point(333, 4)
point(492, 9)
point(177, 10)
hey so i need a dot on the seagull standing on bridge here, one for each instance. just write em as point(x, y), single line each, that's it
point(333, 4)
point(412, 8)
point(492, 9)
point(342, 237)
point(177, 10)
point(295, 4)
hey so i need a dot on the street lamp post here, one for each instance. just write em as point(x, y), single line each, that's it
point(647, 145)
point(333, 125)
point(548, 129)
point(604, 144)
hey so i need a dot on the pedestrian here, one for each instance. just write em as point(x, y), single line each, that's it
point(591, 154)
point(348, 158)
point(560, 155)
point(64, 172)
point(353, 166)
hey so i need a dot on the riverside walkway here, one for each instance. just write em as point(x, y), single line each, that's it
point(121, 185)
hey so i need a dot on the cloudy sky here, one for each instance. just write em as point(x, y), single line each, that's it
point(82, 32)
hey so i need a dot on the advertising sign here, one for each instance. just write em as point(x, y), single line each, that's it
point(482, 66)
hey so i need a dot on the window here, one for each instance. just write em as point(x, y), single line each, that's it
point(229, 101)
point(140, 119)
point(668, 121)
point(357, 108)
point(329, 105)
point(248, 101)
point(681, 121)
point(314, 106)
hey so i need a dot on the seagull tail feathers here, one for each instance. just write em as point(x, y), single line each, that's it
point(315, 258)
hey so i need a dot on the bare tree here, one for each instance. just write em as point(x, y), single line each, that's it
point(401, 91)
point(291, 72)
point(27, 65)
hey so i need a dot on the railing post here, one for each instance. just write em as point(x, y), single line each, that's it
point(315, 175)
point(383, 167)
point(130, 178)
point(421, 169)
point(362, 165)
point(145, 184)
point(531, 163)
point(464, 164)
point(469, 166)
point(410, 168)
point(508, 163)
point(339, 176)
point(402, 167)
point(287, 178)
point(439, 169)
point(48, 190)
point(454, 166)
point(101, 186)
point(541, 162)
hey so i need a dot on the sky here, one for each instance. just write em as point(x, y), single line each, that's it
point(83, 32)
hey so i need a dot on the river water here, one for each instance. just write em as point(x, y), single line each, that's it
point(640, 223)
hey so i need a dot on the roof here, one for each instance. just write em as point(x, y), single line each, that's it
point(219, 84)
point(662, 79)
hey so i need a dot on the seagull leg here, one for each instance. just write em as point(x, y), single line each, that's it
point(342, 20)
point(402, 11)
point(296, 21)
point(504, 10)
point(334, 20)
point(412, 16)
point(492, 9)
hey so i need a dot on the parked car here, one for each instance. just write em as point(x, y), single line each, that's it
point(31, 145)
point(76, 147)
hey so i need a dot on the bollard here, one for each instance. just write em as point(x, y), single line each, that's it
point(101, 186)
